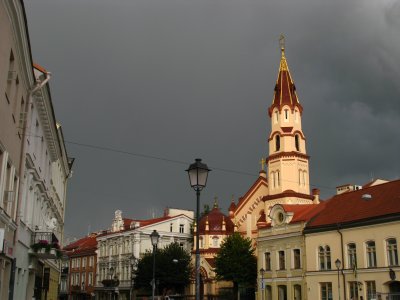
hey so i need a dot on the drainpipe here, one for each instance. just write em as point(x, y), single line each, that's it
point(344, 276)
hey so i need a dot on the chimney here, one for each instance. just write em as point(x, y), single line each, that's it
point(315, 193)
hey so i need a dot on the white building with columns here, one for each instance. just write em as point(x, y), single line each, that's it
point(128, 236)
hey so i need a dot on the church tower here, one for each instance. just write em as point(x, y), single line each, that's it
point(288, 169)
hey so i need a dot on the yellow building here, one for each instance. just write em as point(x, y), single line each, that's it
point(352, 245)
point(281, 252)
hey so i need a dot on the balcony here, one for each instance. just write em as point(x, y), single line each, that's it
point(45, 245)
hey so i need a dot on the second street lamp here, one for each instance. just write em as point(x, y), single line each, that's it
point(198, 173)
point(154, 236)
point(338, 264)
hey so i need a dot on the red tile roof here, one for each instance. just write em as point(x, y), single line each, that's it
point(85, 245)
point(303, 212)
point(352, 206)
point(40, 68)
point(215, 218)
point(211, 262)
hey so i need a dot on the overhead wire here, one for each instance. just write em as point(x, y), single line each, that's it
point(148, 156)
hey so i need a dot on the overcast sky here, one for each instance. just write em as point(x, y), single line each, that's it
point(181, 79)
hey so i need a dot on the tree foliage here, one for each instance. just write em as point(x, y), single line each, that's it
point(172, 273)
point(236, 262)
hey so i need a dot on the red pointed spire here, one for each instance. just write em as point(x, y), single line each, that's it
point(285, 89)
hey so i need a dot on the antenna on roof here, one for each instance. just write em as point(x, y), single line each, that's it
point(88, 229)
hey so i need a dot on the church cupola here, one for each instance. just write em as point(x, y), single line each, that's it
point(288, 159)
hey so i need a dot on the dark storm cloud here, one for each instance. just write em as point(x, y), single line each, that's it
point(180, 79)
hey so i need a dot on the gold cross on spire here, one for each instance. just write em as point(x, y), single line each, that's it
point(282, 42)
point(262, 163)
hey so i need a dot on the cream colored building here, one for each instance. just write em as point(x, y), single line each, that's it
point(287, 181)
point(361, 229)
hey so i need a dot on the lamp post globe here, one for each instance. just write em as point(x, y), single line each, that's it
point(198, 174)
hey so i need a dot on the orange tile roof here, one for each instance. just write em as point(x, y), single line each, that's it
point(352, 207)
point(84, 245)
point(303, 212)
point(40, 68)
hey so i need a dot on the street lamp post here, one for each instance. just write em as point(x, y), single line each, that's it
point(262, 271)
point(338, 264)
point(110, 273)
point(198, 173)
point(133, 262)
point(154, 236)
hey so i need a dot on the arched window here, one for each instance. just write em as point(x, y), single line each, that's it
point(324, 254)
point(286, 115)
point(278, 178)
point(300, 172)
point(273, 178)
point(277, 142)
point(296, 142)
point(276, 116)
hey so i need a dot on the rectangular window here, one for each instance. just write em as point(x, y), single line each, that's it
point(84, 259)
point(371, 290)
point(392, 256)
point(352, 256)
point(78, 262)
point(83, 281)
point(90, 279)
point(281, 255)
point(181, 228)
point(371, 254)
point(326, 290)
point(296, 259)
point(91, 261)
point(297, 291)
point(268, 292)
point(353, 289)
point(267, 256)
point(171, 227)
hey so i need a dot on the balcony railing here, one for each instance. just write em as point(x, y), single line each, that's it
point(45, 245)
